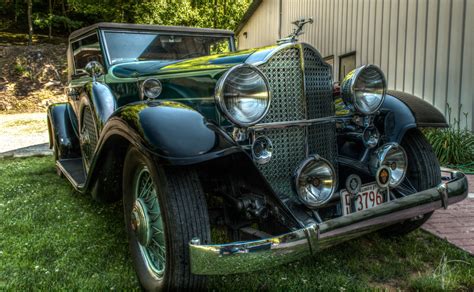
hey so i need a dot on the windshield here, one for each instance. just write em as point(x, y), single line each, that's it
point(138, 46)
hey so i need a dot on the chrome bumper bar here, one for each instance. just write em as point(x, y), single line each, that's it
point(240, 257)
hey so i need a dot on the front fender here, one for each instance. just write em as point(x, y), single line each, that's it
point(102, 101)
point(403, 111)
point(172, 131)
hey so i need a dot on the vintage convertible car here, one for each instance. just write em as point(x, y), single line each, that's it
point(191, 133)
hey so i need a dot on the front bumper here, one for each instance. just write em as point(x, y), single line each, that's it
point(240, 257)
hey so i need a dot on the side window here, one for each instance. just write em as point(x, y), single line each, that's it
point(84, 51)
point(220, 46)
point(347, 63)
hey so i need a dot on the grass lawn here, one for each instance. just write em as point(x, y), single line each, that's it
point(53, 238)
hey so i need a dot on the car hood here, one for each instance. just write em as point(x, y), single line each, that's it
point(213, 62)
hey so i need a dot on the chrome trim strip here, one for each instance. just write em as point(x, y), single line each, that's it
point(240, 257)
point(300, 123)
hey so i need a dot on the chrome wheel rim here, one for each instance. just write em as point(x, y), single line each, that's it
point(147, 223)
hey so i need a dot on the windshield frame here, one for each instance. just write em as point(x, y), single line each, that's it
point(107, 59)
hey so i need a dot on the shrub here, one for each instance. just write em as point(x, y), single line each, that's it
point(452, 145)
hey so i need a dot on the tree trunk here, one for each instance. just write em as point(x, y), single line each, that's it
point(63, 8)
point(215, 13)
point(30, 22)
point(16, 11)
point(50, 24)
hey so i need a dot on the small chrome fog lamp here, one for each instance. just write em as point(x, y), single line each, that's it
point(315, 181)
point(151, 88)
point(262, 149)
point(392, 156)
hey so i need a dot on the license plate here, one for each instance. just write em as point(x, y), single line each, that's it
point(368, 197)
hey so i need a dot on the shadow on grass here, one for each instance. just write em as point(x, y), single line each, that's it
point(55, 238)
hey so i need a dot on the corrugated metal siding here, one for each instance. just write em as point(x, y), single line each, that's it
point(425, 47)
point(264, 24)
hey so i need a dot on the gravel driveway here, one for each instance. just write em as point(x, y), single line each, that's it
point(24, 135)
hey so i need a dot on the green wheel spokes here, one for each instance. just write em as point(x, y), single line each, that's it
point(148, 223)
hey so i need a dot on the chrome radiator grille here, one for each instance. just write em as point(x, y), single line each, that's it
point(89, 134)
point(286, 82)
point(301, 87)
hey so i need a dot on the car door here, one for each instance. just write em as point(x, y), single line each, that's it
point(84, 50)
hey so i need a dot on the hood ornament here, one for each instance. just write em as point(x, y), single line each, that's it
point(291, 38)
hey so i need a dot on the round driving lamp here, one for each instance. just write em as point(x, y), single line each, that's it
point(393, 157)
point(151, 88)
point(363, 89)
point(315, 181)
point(262, 149)
point(243, 95)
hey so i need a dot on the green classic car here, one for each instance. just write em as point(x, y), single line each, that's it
point(257, 145)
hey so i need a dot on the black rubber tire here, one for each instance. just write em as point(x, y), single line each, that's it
point(185, 216)
point(424, 173)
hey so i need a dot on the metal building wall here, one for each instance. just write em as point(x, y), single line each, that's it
point(425, 47)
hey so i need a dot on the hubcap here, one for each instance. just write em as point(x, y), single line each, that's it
point(147, 224)
point(140, 222)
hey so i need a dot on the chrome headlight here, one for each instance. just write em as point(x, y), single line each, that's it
point(392, 156)
point(315, 181)
point(243, 95)
point(364, 88)
point(151, 88)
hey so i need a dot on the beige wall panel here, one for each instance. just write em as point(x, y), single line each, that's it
point(401, 41)
point(454, 59)
point(430, 54)
point(369, 33)
point(348, 28)
point(421, 46)
point(377, 32)
point(409, 59)
point(386, 17)
point(392, 48)
point(262, 27)
point(467, 87)
point(441, 69)
point(354, 21)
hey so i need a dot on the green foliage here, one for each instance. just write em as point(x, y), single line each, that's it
point(452, 145)
point(53, 238)
point(67, 15)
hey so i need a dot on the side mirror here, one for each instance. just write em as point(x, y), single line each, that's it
point(94, 69)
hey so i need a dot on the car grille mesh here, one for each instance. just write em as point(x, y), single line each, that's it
point(318, 82)
point(300, 91)
point(286, 82)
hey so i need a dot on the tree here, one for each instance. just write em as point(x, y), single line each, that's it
point(50, 18)
point(30, 22)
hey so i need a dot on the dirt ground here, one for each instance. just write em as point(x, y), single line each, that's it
point(31, 77)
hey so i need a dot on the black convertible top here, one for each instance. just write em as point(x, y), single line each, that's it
point(150, 27)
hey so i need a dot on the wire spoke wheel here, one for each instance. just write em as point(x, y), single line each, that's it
point(147, 222)
point(164, 209)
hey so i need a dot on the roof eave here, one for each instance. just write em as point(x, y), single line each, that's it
point(250, 11)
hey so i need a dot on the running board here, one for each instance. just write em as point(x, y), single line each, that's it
point(73, 170)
